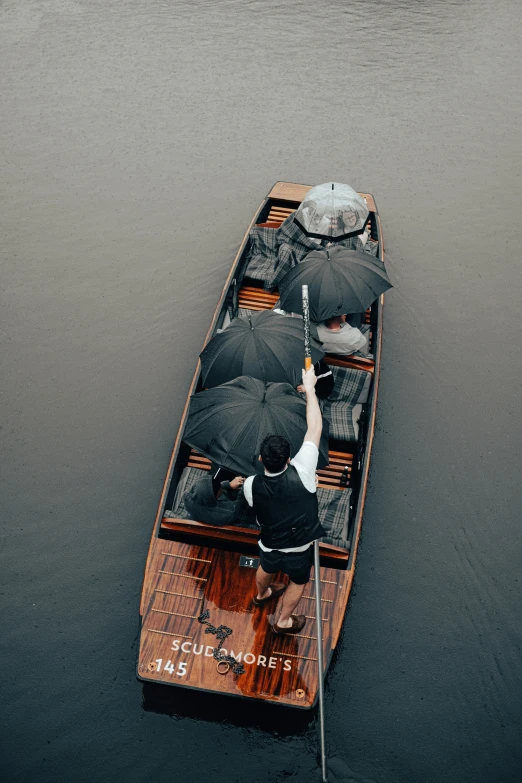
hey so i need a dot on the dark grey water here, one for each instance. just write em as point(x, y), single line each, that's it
point(138, 139)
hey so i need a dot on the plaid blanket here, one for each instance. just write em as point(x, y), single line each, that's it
point(274, 251)
point(348, 384)
point(334, 509)
point(242, 311)
point(339, 416)
point(338, 408)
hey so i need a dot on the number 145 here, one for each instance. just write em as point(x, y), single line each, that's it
point(169, 667)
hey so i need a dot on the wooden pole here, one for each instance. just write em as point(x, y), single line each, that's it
point(306, 326)
point(317, 569)
point(320, 665)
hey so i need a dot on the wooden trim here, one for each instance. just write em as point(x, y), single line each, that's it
point(365, 467)
point(210, 534)
point(356, 362)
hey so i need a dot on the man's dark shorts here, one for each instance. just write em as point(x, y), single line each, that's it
point(296, 565)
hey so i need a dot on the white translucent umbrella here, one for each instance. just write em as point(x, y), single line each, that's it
point(332, 211)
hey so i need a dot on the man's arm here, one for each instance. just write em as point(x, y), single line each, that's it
point(314, 419)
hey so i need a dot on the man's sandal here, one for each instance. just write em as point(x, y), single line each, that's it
point(276, 589)
point(298, 623)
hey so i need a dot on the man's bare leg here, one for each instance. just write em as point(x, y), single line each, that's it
point(288, 602)
point(263, 582)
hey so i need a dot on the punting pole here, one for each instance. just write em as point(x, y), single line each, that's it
point(306, 325)
point(317, 568)
point(320, 667)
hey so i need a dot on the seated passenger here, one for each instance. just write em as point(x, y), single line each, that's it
point(215, 505)
point(337, 336)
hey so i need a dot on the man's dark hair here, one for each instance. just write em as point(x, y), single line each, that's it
point(275, 451)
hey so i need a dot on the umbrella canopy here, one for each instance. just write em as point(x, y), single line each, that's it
point(339, 281)
point(332, 211)
point(265, 345)
point(228, 423)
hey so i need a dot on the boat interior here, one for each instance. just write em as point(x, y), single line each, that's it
point(190, 561)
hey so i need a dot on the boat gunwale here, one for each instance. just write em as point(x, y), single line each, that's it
point(365, 467)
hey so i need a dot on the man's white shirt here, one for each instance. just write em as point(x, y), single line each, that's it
point(305, 462)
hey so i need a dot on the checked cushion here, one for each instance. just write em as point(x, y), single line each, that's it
point(334, 510)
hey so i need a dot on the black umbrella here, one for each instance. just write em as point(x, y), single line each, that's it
point(265, 345)
point(228, 423)
point(339, 281)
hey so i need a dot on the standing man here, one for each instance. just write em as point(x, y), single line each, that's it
point(285, 502)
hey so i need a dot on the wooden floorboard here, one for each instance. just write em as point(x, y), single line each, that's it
point(183, 580)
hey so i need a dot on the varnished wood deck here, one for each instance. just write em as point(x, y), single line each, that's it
point(183, 580)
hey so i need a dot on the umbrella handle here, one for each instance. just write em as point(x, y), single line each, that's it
point(308, 362)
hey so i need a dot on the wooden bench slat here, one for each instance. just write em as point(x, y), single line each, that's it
point(336, 463)
point(267, 304)
point(246, 289)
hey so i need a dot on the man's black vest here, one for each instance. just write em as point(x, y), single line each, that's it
point(286, 511)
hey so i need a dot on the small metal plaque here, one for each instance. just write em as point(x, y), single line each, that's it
point(249, 562)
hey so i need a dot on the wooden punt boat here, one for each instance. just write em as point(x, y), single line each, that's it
point(192, 567)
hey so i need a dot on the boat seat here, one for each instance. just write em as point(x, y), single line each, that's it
point(334, 508)
point(334, 513)
point(273, 250)
point(351, 385)
point(343, 408)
